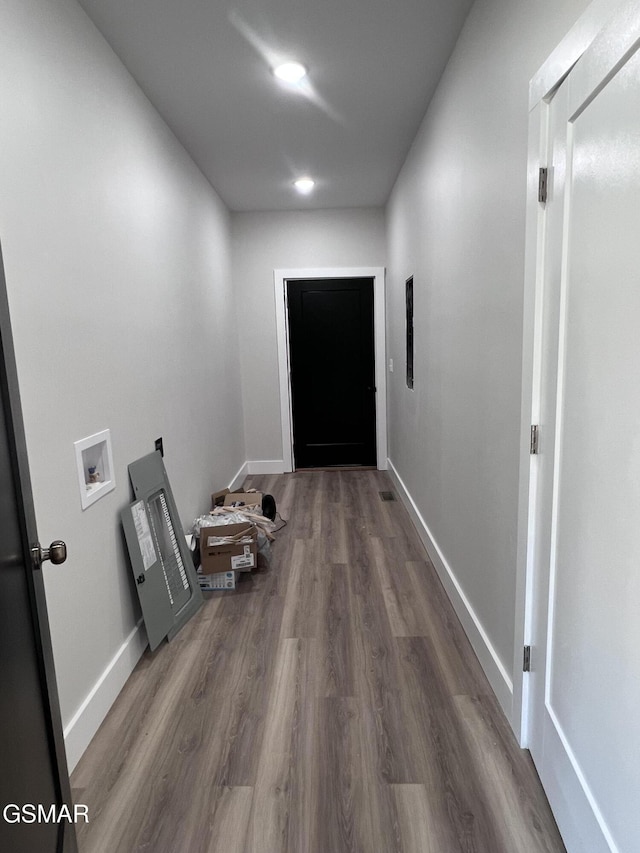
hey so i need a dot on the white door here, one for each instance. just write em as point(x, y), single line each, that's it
point(585, 683)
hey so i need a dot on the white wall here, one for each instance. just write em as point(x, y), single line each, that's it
point(261, 243)
point(117, 258)
point(455, 222)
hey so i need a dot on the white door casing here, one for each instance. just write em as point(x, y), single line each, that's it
point(280, 277)
point(541, 90)
point(581, 495)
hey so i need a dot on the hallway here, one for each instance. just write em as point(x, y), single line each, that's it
point(330, 704)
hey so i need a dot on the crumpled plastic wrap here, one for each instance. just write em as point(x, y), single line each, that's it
point(215, 520)
point(246, 514)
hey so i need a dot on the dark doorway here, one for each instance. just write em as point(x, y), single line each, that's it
point(34, 769)
point(331, 351)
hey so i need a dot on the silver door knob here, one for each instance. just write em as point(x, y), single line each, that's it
point(56, 553)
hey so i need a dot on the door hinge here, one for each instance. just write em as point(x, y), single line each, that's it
point(543, 176)
point(526, 659)
point(535, 440)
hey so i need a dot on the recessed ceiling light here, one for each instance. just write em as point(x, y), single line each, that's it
point(290, 72)
point(304, 185)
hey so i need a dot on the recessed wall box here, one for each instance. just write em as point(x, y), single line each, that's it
point(94, 459)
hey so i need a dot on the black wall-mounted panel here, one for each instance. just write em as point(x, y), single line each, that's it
point(409, 328)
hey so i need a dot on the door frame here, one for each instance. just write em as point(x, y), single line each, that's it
point(576, 808)
point(541, 90)
point(280, 279)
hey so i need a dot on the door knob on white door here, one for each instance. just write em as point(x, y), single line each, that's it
point(56, 553)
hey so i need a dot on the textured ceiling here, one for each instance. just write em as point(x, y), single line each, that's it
point(205, 65)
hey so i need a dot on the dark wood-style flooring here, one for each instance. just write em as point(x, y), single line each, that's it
point(330, 704)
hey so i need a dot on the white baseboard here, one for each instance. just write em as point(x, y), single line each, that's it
point(499, 679)
point(575, 808)
point(266, 466)
point(87, 719)
point(239, 478)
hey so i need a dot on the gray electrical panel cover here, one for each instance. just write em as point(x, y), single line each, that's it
point(165, 577)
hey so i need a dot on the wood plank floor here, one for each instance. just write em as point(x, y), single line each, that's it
point(330, 704)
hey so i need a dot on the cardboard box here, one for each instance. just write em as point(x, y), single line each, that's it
point(244, 499)
point(221, 580)
point(217, 498)
point(240, 555)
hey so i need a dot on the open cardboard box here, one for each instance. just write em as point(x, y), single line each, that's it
point(244, 499)
point(240, 556)
point(217, 498)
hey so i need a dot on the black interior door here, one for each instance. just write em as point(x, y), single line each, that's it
point(32, 761)
point(331, 350)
